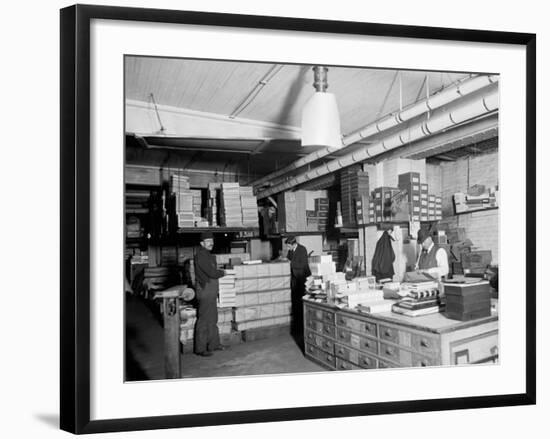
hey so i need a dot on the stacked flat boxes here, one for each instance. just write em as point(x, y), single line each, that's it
point(262, 295)
point(227, 290)
point(179, 187)
point(197, 204)
point(354, 185)
point(410, 182)
point(188, 318)
point(424, 202)
point(230, 214)
point(317, 219)
point(434, 208)
point(249, 207)
point(382, 202)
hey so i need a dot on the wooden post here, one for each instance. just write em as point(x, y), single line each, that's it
point(172, 359)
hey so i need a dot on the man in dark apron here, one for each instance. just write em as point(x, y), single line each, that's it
point(207, 336)
point(299, 271)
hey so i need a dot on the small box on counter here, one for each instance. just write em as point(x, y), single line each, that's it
point(467, 301)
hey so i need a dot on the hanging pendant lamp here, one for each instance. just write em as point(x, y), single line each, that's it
point(320, 117)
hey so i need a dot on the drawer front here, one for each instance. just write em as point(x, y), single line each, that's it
point(345, 365)
point(382, 364)
point(320, 355)
point(356, 341)
point(321, 315)
point(425, 344)
point(321, 328)
point(423, 361)
point(393, 353)
point(357, 325)
point(367, 362)
point(320, 342)
point(389, 334)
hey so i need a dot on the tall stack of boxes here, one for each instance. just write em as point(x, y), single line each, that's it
point(382, 197)
point(354, 186)
point(249, 207)
point(263, 295)
point(424, 201)
point(291, 211)
point(212, 204)
point(188, 318)
point(410, 182)
point(231, 215)
point(317, 219)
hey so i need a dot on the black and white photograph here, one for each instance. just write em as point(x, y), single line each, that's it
point(296, 218)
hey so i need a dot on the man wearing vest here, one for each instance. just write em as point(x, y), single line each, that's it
point(432, 259)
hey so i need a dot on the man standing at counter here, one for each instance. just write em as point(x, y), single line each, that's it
point(299, 271)
point(207, 336)
point(432, 259)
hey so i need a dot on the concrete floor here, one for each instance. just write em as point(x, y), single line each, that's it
point(145, 355)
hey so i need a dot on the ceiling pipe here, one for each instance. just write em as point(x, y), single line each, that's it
point(439, 121)
point(445, 96)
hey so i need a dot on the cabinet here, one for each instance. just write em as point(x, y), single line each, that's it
point(344, 339)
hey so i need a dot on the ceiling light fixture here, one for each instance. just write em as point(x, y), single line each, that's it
point(320, 117)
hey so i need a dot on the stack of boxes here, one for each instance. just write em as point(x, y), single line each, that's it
point(424, 201)
point(291, 211)
point(249, 207)
point(354, 186)
point(188, 318)
point(382, 204)
point(212, 204)
point(410, 182)
point(467, 301)
point(231, 215)
point(262, 295)
point(227, 290)
point(317, 219)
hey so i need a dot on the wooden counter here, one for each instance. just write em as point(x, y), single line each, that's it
point(343, 339)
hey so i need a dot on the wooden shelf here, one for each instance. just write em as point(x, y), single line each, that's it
point(216, 229)
point(476, 210)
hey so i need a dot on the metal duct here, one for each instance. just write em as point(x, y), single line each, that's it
point(469, 109)
point(445, 96)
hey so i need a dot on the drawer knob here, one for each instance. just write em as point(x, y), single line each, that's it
point(387, 333)
point(366, 361)
point(367, 328)
point(310, 336)
point(341, 352)
point(390, 351)
point(310, 349)
point(342, 321)
point(325, 344)
point(424, 343)
point(329, 357)
point(423, 363)
point(367, 344)
point(343, 366)
point(342, 335)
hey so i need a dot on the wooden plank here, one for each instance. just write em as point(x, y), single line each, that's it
point(172, 363)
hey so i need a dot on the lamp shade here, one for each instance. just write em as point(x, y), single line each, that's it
point(321, 121)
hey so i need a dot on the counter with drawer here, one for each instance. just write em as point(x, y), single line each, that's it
point(344, 339)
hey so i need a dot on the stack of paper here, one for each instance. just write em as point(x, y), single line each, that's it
point(231, 215)
point(228, 292)
point(249, 207)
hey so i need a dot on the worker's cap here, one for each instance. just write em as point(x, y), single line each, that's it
point(206, 235)
point(290, 239)
point(423, 235)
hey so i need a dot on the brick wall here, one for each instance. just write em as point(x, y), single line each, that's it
point(481, 227)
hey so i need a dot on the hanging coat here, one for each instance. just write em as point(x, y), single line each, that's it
point(382, 261)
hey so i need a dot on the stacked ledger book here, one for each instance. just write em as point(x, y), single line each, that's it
point(230, 213)
point(249, 207)
point(423, 298)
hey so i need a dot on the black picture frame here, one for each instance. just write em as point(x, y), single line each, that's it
point(75, 217)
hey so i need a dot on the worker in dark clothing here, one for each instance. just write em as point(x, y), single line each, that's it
point(299, 271)
point(207, 336)
point(432, 258)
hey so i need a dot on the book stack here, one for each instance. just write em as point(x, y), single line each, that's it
point(227, 292)
point(137, 201)
point(467, 301)
point(249, 207)
point(212, 204)
point(230, 214)
point(420, 302)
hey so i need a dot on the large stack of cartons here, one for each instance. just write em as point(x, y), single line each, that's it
point(354, 186)
point(188, 318)
point(292, 208)
point(382, 202)
point(197, 205)
point(227, 290)
point(231, 215)
point(410, 182)
point(249, 207)
point(231, 258)
point(263, 295)
point(317, 219)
